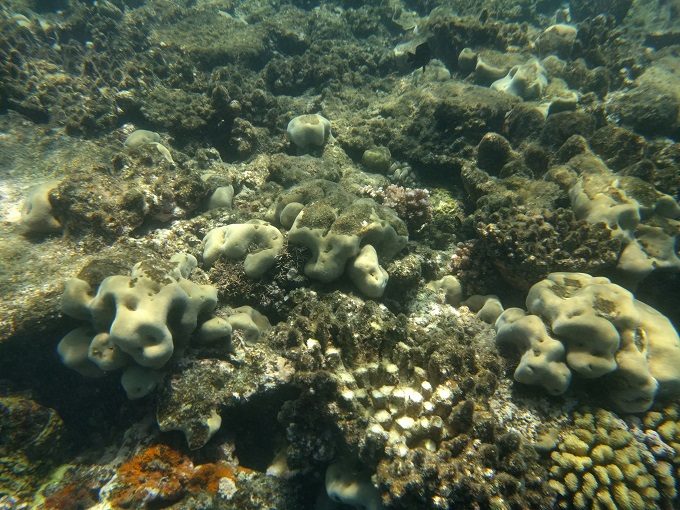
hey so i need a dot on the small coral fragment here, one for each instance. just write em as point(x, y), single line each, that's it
point(36, 214)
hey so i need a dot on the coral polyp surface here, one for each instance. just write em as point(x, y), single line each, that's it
point(600, 464)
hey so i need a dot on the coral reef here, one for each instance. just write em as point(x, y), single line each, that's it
point(325, 338)
point(259, 241)
point(334, 225)
point(196, 396)
point(308, 131)
point(526, 81)
point(412, 205)
point(37, 215)
point(159, 475)
point(526, 245)
point(109, 201)
point(415, 413)
point(645, 219)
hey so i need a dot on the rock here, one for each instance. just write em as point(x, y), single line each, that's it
point(651, 108)
point(582, 9)
point(557, 39)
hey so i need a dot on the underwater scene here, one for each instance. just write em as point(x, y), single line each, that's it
point(339, 254)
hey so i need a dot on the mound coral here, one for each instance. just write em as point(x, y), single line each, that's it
point(646, 220)
point(136, 323)
point(258, 241)
point(585, 325)
point(335, 226)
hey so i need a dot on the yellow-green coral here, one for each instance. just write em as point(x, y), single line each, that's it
point(666, 422)
point(599, 465)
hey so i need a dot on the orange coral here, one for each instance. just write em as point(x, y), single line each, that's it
point(69, 496)
point(161, 474)
point(207, 477)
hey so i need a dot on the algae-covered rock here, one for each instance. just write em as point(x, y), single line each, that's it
point(403, 404)
point(618, 147)
point(32, 445)
point(111, 200)
point(490, 195)
point(413, 124)
point(377, 159)
point(582, 9)
point(176, 110)
point(525, 245)
point(195, 397)
point(560, 126)
point(652, 106)
point(558, 39)
point(493, 152)
point(212, 37)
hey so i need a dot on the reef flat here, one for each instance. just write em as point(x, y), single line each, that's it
point(408, 254)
